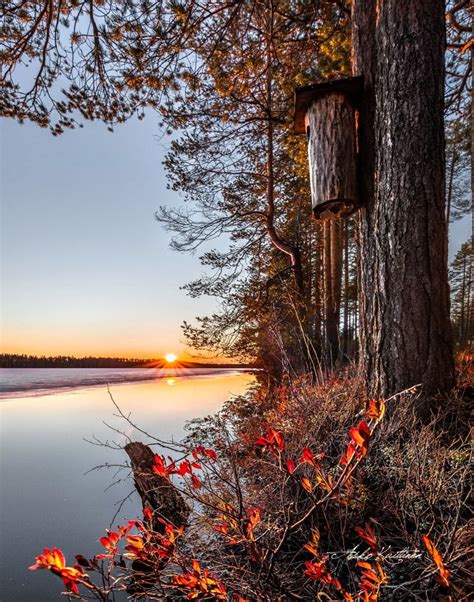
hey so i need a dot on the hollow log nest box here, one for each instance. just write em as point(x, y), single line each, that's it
point(326, 113)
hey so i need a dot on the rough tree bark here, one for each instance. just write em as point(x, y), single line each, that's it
point(398, 47)
point(330, 127)
point(163, 499)
point(156, 492)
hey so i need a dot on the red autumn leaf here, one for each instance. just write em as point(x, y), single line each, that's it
point(315, 571)
point(290, 466)
point(210, 453)
point(318, 571)
point(110, 543)
point(70, 576)
point(367, 534)
point(159, 466)
point(184, 468)
point(124, 529)
point(311, 549)
point(188, 581)
point(274, 441)
point(136, 541)
point(307, 456)
point(277, 438)
point(203, 451)
point(196, 483)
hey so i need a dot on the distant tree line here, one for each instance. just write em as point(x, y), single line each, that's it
point(11, 360)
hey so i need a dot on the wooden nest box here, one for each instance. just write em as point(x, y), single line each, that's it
point(326, 113)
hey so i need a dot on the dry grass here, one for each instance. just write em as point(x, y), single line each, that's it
point(414, 481)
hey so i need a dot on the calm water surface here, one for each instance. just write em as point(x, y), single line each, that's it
point(46, 498)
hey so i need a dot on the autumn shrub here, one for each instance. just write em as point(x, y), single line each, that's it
point(296, 493)
point(465, 368)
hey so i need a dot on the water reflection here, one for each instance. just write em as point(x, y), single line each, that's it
point(46, 498)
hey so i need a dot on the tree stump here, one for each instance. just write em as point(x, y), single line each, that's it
point(157, 493)
point(160, 496)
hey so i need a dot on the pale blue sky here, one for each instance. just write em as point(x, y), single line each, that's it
point(85, 266)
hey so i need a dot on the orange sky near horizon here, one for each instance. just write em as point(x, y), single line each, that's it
point(145, 342)
point(119, 353)
point(87, 346)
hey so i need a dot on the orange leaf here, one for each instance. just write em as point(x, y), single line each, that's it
point(50, 559)
point(444, 573)
point(196, 567)
point(360, 435)
point(376, 409)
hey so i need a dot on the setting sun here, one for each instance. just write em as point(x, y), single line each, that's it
point(171, 357)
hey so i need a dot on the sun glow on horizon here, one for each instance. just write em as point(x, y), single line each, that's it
point(171, 357)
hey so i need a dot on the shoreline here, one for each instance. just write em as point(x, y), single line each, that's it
point(40, 389)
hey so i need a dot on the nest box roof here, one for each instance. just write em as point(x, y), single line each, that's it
point(349, 86)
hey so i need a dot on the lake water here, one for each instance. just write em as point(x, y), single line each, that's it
point(47, 499)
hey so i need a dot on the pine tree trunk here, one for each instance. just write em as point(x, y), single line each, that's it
point(398, 46)
point(449, 192)
point(332, 288)
point(336, 280)
point(462, 317)
point(469, 302)
point(318, 285)
point(345, 340)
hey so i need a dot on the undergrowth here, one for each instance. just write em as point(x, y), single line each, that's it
point(300, 492)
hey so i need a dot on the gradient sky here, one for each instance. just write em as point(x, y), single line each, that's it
point(86, 269)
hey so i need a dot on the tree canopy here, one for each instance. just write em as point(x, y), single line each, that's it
point(222, 75)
